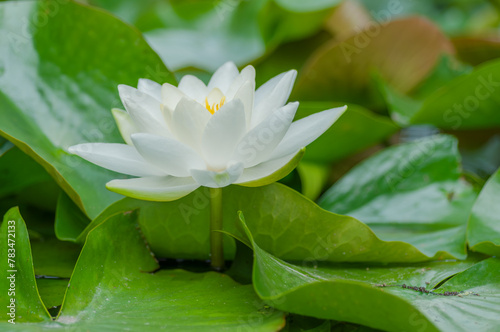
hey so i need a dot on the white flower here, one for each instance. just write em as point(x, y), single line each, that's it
point(181, 138)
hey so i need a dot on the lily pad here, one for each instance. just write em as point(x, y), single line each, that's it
point(412, 193)
point(313, 178)
point(483, 230)
point(403, 107)
point(113, 288)
point(70, 220)
point(467, 102)
point(283, 222)
point(52, 292)
point(5, 146)
point(341, 71)
point(54, 258)
point(476, 50)
point(18, 171)
point(18, 283)
point(307, 6)
point(51, 258)
point(453, 17)
point(394, 298)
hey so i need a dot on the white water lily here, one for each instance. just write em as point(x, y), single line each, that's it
point(181, 138)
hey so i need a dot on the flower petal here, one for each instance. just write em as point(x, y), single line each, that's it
point(223, 77)
point(144, 110)
point(125, 124)
point(247, 75)
point(245, 94)
point(306, 130)
point(265, 90)
point(222, 133)
point(171, 95)
point(157, 188)
point(120, 158)
point(270, 171)
point(193, 87)
point(188, 122)
point(259, 143)
point(150, 87)
point(272, 94)
point(167, 116)
point(168, 154)
point(221, 179)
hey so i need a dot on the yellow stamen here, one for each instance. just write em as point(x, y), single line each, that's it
point(214, 101)
point(215, 106)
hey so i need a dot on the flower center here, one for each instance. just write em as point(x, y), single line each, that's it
point(215, 100)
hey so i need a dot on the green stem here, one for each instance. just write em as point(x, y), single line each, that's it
point(216, 245)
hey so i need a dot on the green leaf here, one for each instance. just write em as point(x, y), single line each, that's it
point(313, 177)
point(283, 222)
point(18, 280)
point(356, 130)
point(5, 146)
point(341, 71)
point(447, 69)
point(307, 6)
point(483, 230)
point(348, 327)
point(380, 297)
point(412, 193)
point(403, 107)
point(467, 102)
point(454, 17)
point(289, 20)
point(481, 160)
point(225, 31)
point(112, 289)
point(291, 55)
point(297, 323)
point(50, 259)
point(239, 31)
point(70, 220)
point(478, 49)
point(54, 258)
point(59, 82)
point(18, 171)
point(52, 291)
